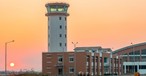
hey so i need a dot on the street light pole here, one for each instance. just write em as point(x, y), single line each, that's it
point(75, 56)
point(6, 56)
point(74, 44)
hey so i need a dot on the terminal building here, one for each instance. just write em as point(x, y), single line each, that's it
point(131, 59)
point(85, 61)
point(95, 61)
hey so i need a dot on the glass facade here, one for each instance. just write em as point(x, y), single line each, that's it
point(143, 58)
point(57, 8)
point(137, 52)
point(142, 67)
point(125, 59)
point(143, 51)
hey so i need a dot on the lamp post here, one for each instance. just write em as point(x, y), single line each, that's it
point(75, 57)
point(6, 56)
point(74, 44)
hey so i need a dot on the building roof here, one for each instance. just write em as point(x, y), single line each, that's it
point(128, 47)
point(94, 48)
point(109, 49)
point(57, 3)
point(88, 48)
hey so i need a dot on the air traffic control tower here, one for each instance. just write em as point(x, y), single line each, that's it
point(57, 26)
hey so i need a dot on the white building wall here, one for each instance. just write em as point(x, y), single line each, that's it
point(54, 32)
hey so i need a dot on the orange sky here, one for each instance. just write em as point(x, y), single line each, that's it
point(106, 23)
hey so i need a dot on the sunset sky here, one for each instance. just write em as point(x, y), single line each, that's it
point(107, 23)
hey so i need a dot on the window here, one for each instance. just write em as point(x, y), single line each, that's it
point(65, 18)
point(88, 58)
point(131, 53)
point(60, 71)
point(125, 59)
point(137, 58)
point(65, 44)
point(71, 69)
point(93, 58)
point(65, 28)
point(53, 9)
point(142, 67)
point(48, 44)
point(60, 59)
point(60, 44)
point(71, 58)
point(105, 59)
point(60, 26)
point(143, 51)
point(137, 52)
point(143, 58)
point(93, 51)
point(60, 9)
point(65, 35)
point(59, 18)
point(96, 58)
point(131, 59)
point(60, 35)
point(86, 50)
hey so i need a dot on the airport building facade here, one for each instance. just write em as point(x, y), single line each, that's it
point(86, 61)
point(131, 59)
point(95, 61)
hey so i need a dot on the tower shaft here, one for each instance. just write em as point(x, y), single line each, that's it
point(57, 27)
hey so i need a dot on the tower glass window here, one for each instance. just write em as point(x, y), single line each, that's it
point(59, 18)
point(65, 28)
point(60, 35)
point(65, 35)
point(60, 44)
point(60, 26)
point(60, 8)
point(53, 8)
point(65, 18)
point(65, 9)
